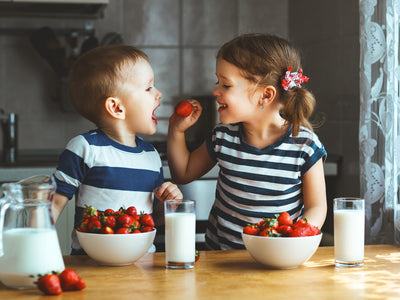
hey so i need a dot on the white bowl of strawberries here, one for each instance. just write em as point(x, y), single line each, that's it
point(116, 238)
point(278, 243)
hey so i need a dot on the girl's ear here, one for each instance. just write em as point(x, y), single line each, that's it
point(269, 94)
point(115, 108)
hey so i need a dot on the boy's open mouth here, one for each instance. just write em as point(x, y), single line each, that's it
point(153, 116)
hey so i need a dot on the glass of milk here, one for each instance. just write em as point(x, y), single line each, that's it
point(180, 233)
point(348, 221)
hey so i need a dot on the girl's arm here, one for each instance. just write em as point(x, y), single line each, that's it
point(185, 166)
point(314, 195)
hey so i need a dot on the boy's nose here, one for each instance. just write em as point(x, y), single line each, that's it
point(158, 95)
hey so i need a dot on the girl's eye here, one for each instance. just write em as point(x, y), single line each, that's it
point(225, 86)
point(149, 89)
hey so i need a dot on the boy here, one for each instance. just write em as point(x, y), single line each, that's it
point(110, 167)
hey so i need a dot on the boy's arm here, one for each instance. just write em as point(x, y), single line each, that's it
point(57, 206)
point(314, 195)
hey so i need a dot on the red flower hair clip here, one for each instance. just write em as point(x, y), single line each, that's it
point(293, 79)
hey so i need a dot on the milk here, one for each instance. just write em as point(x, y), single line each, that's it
point(180, 237)
point(349, 235)
point(29, 251)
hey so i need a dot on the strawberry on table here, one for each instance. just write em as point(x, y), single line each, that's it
point(49, 284)
point(70, 281)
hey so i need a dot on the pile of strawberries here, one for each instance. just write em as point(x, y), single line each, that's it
point(56, 283)
point(281, 226)
point(122, 221)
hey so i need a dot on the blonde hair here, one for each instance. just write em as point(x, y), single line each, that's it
point(99, 74)
point(263, 60)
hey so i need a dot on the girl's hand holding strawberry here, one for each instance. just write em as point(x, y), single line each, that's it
point(180, 119)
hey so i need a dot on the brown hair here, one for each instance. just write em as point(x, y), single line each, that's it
point(264, 59)
point(99, 74)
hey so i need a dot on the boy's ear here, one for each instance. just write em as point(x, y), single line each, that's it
point(115, 108)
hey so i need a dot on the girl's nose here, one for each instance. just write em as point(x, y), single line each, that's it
point(215, 92)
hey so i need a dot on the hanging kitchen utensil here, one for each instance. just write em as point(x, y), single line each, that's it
point(112, 38)
point(45, 42)
point(89, 43)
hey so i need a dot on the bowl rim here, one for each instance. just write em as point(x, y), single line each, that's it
point(281, 237)
point(115, 234)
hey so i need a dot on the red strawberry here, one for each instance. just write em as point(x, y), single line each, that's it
point(268, 231)
point(285, 230)
point(300, 222)
point(123, 230)
point(251, 229)
point(70, 281)
point(285, 219)
point(49, 284)
point(146, 229)
point(131, 210)
point(125, 220)
point(109, 212)
point(94, 224)
point(109, 221)
point(183, 108)
point(107, 230)
point(146, 220)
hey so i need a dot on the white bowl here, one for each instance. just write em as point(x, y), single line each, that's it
point(116, 249)
point(281, 252)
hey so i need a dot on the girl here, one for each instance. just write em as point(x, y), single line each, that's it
point(270, 160)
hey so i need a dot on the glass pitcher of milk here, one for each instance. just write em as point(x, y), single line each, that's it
point(28, 239)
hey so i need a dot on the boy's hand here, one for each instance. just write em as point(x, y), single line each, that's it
point(167, 191)
point(181, 123)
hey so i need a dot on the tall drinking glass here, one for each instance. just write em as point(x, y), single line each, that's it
point(349, 220)
point(180, 233)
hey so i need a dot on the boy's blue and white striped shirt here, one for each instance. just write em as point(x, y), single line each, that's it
point(105, 174)
point(255, 183)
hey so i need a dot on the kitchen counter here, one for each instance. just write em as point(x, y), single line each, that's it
point(234, 275)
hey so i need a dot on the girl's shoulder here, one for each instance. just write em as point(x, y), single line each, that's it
point(305, 134)
point(232, 129)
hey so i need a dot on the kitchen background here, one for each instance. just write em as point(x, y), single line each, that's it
point(181, 38)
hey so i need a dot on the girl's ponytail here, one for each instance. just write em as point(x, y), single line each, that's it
point(298, 107)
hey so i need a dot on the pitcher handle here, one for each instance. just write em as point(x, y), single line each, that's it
point(4, 204)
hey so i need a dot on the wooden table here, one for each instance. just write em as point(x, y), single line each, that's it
point(234, 275)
